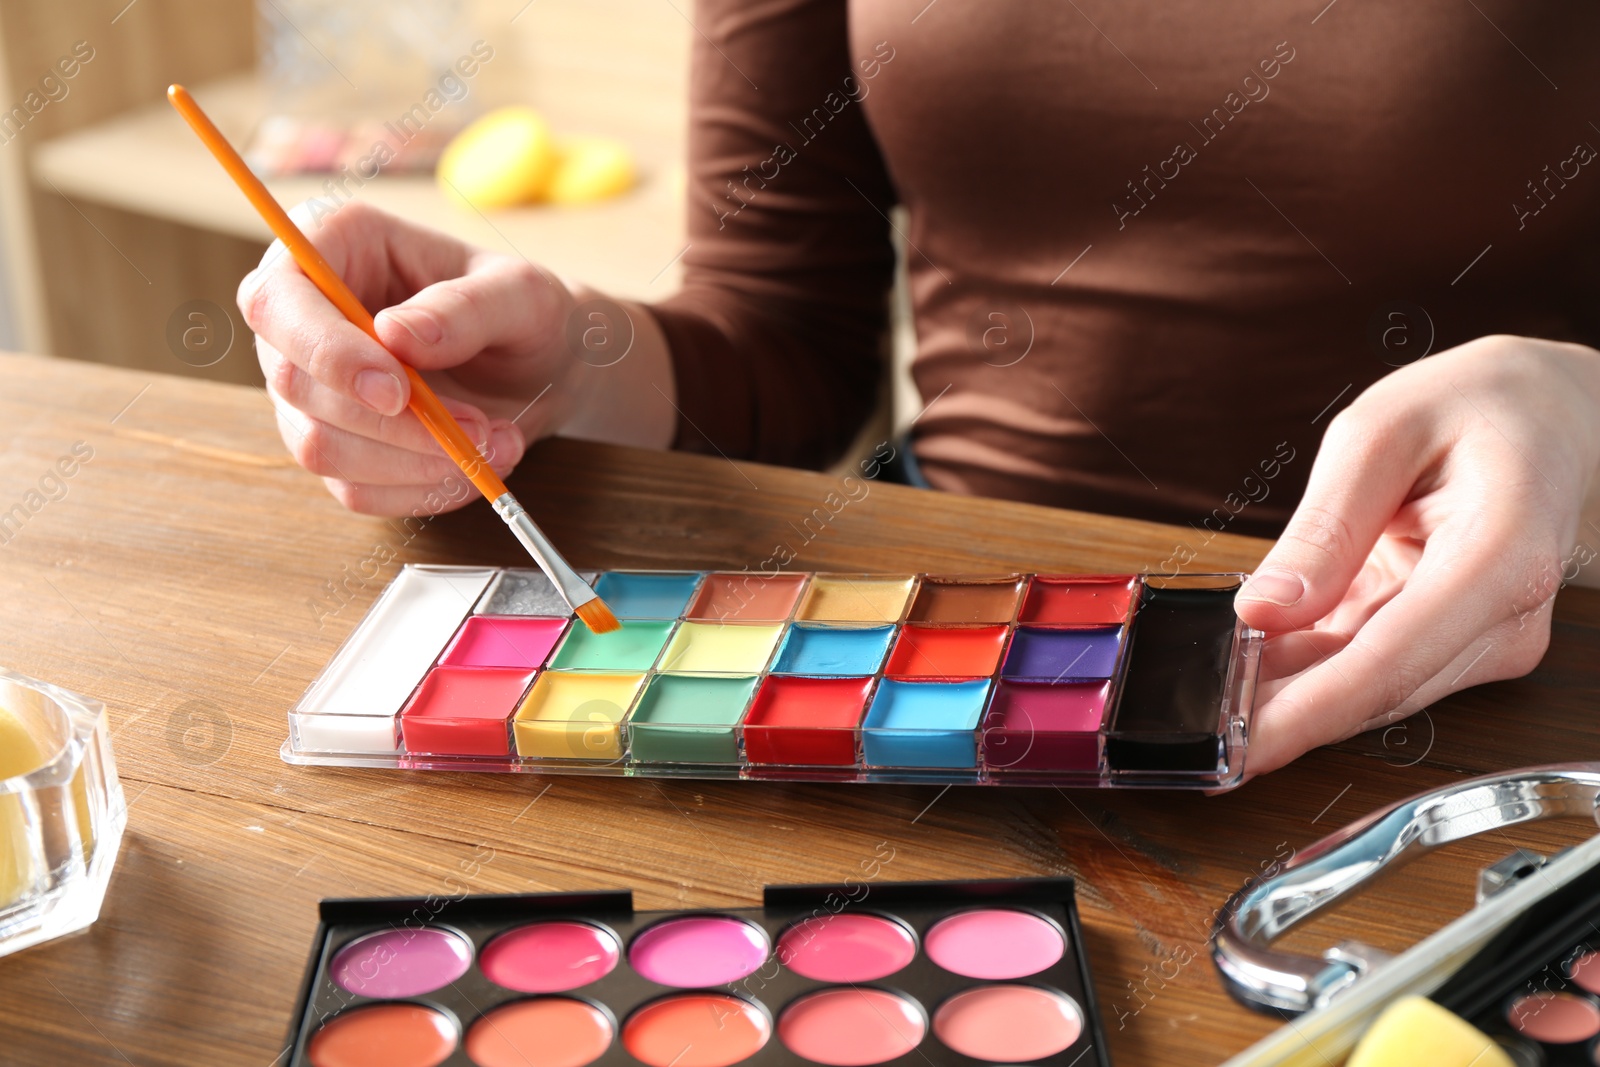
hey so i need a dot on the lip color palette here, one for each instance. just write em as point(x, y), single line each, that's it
point(1535, 987)
point(1116, 680)
point(931, 974)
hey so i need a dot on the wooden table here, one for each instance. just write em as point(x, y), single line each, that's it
point(179, 580)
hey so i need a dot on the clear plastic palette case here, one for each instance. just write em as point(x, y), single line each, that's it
point(1024, 679)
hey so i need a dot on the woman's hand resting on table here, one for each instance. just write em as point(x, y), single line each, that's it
point(1442, 515)
point(491, 333)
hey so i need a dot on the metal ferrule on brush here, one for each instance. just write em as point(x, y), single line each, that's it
point(574, 588)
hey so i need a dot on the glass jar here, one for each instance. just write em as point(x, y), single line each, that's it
point(61, 811)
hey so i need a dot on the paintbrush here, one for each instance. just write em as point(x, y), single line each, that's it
point(424, 402)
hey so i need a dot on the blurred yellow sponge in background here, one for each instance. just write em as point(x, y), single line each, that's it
point(509, 157)
point(589, 169)
point(502, 159)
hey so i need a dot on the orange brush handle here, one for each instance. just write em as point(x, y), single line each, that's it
point(424, 403)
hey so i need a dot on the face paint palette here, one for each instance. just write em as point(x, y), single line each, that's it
point(1025, 679)
point(929, 974)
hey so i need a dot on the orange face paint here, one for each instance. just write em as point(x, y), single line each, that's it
point(947, 652)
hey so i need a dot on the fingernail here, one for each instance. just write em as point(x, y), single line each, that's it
point(1282, 588)
point(419, 324)
point(505, 446)
point(380, 391)
point(246, 297)
point(476, 429)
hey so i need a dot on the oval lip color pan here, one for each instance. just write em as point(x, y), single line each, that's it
point(1585, 972)
point(1554, 1018)
point(1008, 1023)
point(697, 951)
point(384, 1035)
point(846, 947)
point(391, 964)
point(850, 1027)
point(549, 957)
point(540, 1032)
point(994, 943)
point(696, 1030)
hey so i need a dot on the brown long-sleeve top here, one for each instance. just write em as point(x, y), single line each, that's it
point(1153, 245)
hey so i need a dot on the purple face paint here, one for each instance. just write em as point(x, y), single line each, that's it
point(1063, 655)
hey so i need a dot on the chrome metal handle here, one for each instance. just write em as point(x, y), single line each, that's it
point(1353, 857)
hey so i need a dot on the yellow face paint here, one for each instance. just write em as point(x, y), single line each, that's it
point(843, 598)
point(720, 648)
point(575, 715)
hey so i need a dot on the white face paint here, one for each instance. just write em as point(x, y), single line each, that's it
point(353, 705)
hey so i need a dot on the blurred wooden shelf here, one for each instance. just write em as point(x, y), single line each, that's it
point(147, 162)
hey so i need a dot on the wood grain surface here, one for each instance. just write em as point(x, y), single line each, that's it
point(185, 578)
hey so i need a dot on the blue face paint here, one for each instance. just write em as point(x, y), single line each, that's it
point(838, 651)
point(646, 596)
point(924, 724)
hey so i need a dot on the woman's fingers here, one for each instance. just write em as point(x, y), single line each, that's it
point(286, 310)
point(288, 385)
point(1362, 475)
point(1285, 656)
point(393, 501)
point(377, 479)
point(499, 301)
point(381, 257)
point(341, 396)
point(329, 451)
point(384, 259)
point(1416, 648)
point(333, 453)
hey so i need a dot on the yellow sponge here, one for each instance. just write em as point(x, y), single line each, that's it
point(1416, 1031)
point(19, 754)
point(502, 159)
point(589, 169)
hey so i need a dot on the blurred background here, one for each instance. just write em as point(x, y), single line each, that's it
point(118, 229)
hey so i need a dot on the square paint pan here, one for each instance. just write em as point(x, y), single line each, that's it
point(929, 974)
point(1004, 679)
point(686, 719)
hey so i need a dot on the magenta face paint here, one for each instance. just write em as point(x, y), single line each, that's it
point(994, 943)
point(698, 951)
point(401, 963)
point(495, 641)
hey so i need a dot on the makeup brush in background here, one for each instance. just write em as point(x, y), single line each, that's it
point(424, 402)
